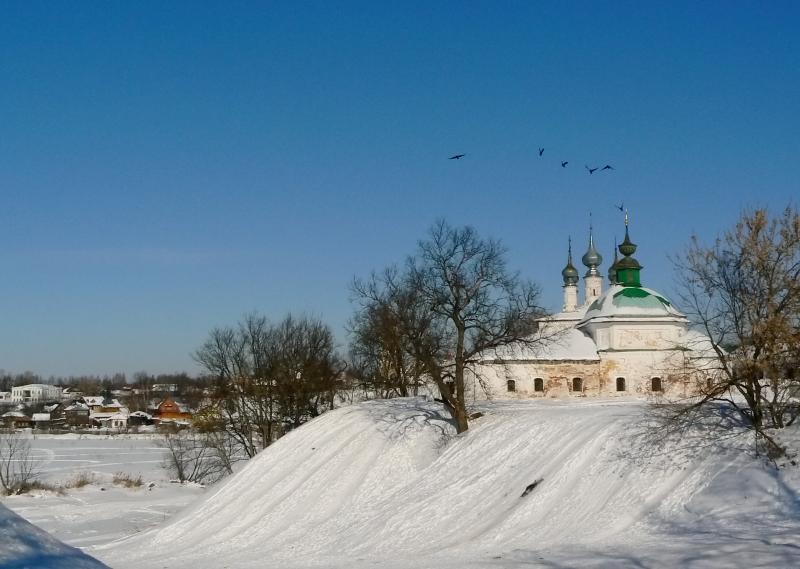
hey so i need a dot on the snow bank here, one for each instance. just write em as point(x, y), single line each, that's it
point(388, 483)
point(24, 546)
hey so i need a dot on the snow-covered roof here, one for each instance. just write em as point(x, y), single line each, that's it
point(106, 414)
point(32, 385)
point(141, 414)
point(77, 406)
point(13, 414)
point(627, 302)
point(567, 345)
point(568, 316)
point(93, 399)
point(40, 417)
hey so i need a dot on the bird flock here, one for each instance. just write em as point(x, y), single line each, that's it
point(563, 163)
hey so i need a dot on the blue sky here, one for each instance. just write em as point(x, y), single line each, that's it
point(168, 167)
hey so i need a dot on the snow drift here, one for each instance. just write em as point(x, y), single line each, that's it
point(24, 546)
point(388, 483)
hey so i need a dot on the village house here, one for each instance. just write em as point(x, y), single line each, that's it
point(77, 415)
point(15, 420)
point(41, 421)
point(169, 410)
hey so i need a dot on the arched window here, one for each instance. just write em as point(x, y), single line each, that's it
point(577, 384)
point(655, 384)
point(511, 385)
point(538, 384)
point(620, 384)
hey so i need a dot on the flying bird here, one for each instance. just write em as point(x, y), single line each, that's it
point(621, 206)
point(607, 167)
point(541, 151)
point(564, 164)
point(457, 157)
point(591, 170)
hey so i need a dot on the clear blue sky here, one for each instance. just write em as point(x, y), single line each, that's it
point(167, 167)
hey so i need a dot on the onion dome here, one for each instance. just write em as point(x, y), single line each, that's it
point(570, 273)
point(627, 247)
point(628, 268)
point(591, 259)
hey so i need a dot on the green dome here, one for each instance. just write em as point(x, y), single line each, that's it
point(628, 263)
point(627, 268)
point(627, 247)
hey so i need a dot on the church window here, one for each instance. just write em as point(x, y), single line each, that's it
point(511, 385)
point(538, 384)
point(655, 384)
point(577, 384)
point(620, 384)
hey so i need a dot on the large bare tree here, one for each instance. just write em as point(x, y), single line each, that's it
point(454, 304)
point(744, 292)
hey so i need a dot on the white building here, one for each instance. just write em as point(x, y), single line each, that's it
point(625, 340)
point(35, 392)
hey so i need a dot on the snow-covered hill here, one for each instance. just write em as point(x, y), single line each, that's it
point(388, 484)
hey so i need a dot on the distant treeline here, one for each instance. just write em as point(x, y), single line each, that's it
point(95, 384)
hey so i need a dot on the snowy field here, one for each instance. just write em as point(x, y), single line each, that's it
point(61, 456)
point(101, 511)
point(387, 484)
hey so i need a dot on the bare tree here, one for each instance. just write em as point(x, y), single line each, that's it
point(380, 351)
point(243, 399)
point(18, 467)
point(304, 368)
point(455, 303)
point(744, 292)
point(270, 378)
point(196, 457)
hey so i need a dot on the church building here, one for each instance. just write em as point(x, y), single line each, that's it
point(626, 340)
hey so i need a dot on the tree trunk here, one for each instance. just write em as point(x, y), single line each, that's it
point(461, 400)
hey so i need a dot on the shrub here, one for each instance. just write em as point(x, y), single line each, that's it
point(81, 479)
point(31, 485)
point(128, 480)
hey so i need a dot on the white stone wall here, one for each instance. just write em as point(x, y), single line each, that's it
point(570, 298)
point(598, 378)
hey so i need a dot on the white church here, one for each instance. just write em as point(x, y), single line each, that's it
point(626, 340)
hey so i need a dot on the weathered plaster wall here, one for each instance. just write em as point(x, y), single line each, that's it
point(599, 378)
